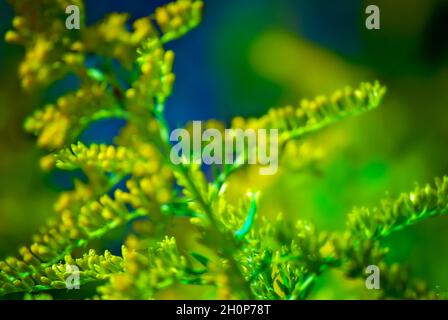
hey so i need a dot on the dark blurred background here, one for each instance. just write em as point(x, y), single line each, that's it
point(250, 55)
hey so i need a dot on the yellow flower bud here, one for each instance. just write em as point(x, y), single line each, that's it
point(147, 186)
point(107, 214)
point(146, 68)
point(12, 37)
point(130, 93)
point(162, 16)
point(18, 22)
point(163, 196)
point(176, 23)
point(47, 163)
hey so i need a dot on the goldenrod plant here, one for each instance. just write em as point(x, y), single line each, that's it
point(236, 252)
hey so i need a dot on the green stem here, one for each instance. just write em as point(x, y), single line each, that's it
point(226, 251)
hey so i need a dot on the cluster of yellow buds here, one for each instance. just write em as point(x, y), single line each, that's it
point(50, 53)
point(50, 125)
point(312, 114)
point(60, 234)
point(124, 285)
point(78, 223)
point(64, 120)
point(141, 163)
point(22, 275)
point(98, 216)
point(53, 51)
point(156, 78)
point(107, 158)
point(407, 209)
point(87, 212)
point(73, 199)
point(145, 271)
point(177, 18)
point(111, 37)
point(40, 65)
point(155, 189)
point(90, 96)
point(150, 186)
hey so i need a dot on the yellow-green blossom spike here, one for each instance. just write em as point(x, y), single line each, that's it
point(177, 18)
point(395, 214)
point(311, 115)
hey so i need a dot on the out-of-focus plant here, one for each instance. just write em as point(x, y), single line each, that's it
point(243, 255)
